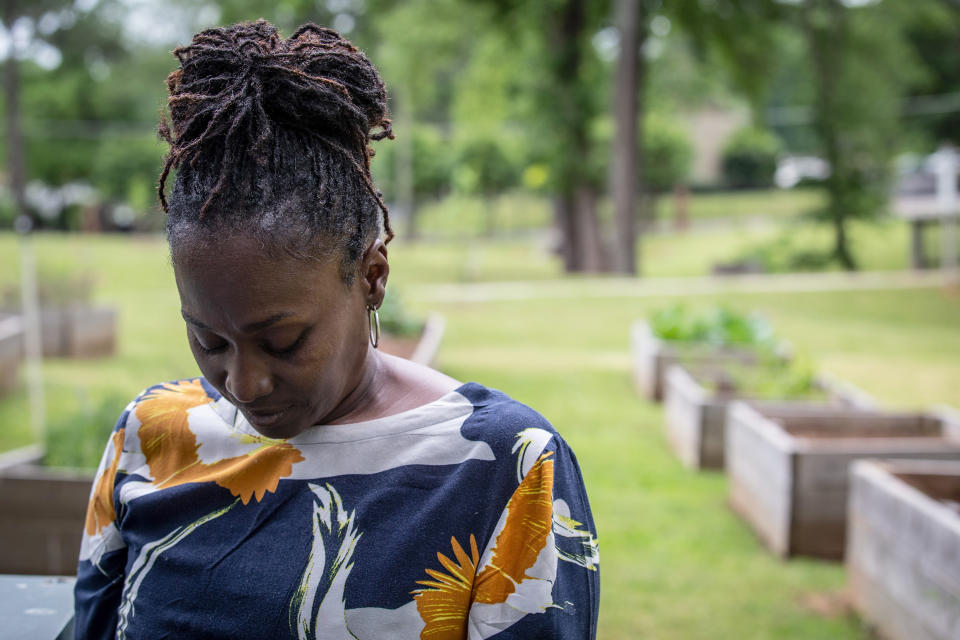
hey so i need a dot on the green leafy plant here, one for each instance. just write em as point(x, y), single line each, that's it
point(770, 379)
point(718, 326)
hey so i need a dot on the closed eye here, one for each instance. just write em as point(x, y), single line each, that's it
point(208, 350)
point(287, 351)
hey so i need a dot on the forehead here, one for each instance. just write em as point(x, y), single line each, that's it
point(237, 280)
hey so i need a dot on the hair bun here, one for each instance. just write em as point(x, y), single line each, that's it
point(315, 81)
point(237, 85)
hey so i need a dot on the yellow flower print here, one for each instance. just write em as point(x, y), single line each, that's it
point(101, 511)
point(170, 447)
point(524, 535)
point(445, 603)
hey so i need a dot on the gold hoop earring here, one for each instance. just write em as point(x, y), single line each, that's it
point(373, 317)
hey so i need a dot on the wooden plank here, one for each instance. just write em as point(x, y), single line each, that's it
point(759, 466)
point(89, 332)
point(949, 419)
point(646, 349)
point(428, 346)
point(683, 413)
point(43, 517)
point(695, 416)
point(903, 551)
point(819, 466)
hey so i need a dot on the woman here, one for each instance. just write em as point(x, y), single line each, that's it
point(308, 485)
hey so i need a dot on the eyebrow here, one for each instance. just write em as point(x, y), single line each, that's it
point(250, 328)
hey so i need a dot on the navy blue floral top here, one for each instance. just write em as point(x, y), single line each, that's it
point(463, 518)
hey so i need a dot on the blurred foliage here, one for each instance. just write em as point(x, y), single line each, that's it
point(750, 158)
point(76, 441)
point(433, 160)
point(719, 326)
point(667, 153)
point(396, 319)
point(484, 167)
point(770, 379)
point(498, 95)
point(783, 255)
point(860, 65)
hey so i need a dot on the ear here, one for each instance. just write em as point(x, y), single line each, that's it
point(375, 269)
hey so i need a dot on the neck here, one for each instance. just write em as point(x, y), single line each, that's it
point(364, 400)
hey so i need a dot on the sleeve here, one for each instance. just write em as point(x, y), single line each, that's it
point(539, 575)
point(103, 552)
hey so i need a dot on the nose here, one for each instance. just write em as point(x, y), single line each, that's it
point(247, 379)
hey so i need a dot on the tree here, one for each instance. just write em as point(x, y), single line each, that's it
point(64, 99)
point(736, 30)
point(484, 168)
point(421, 46)
point(933, 32)
point(25, 13)
point(565, 94)
point(858, 64)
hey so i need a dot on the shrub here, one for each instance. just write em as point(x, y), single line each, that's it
point(667, 154)
point(783, 255)
point(750, 159)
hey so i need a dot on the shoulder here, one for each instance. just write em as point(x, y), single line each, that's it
point(167, 399)
point(504, 423)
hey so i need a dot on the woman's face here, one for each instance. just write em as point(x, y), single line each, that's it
point(283, 339)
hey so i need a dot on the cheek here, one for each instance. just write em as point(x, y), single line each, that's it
point(332, 362)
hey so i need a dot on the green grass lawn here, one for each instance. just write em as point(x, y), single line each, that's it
point(457, 215)
point(676, 564)
point(878, 246)
point(728, 205)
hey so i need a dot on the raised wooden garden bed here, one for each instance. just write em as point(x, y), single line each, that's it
point(788, 466)
point(653, 356)
point(903, 547)
point(696, 416)
point(11, 350)
point(422, 349)
point(78, 331)
point(43, 514)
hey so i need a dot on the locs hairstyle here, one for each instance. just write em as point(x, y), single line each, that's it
point(271, 137)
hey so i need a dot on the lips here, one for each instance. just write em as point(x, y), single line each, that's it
point(265, 417)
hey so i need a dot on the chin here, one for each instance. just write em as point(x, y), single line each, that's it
point(280, 426)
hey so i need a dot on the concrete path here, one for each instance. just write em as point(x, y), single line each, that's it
point(619, 287)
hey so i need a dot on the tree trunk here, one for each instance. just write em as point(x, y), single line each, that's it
point(564, 220)
point(628, 112)
point(575, 204)
point(592, 256)
point(826, 40)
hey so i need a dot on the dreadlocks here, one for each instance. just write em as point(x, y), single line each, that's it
point(271, 137)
